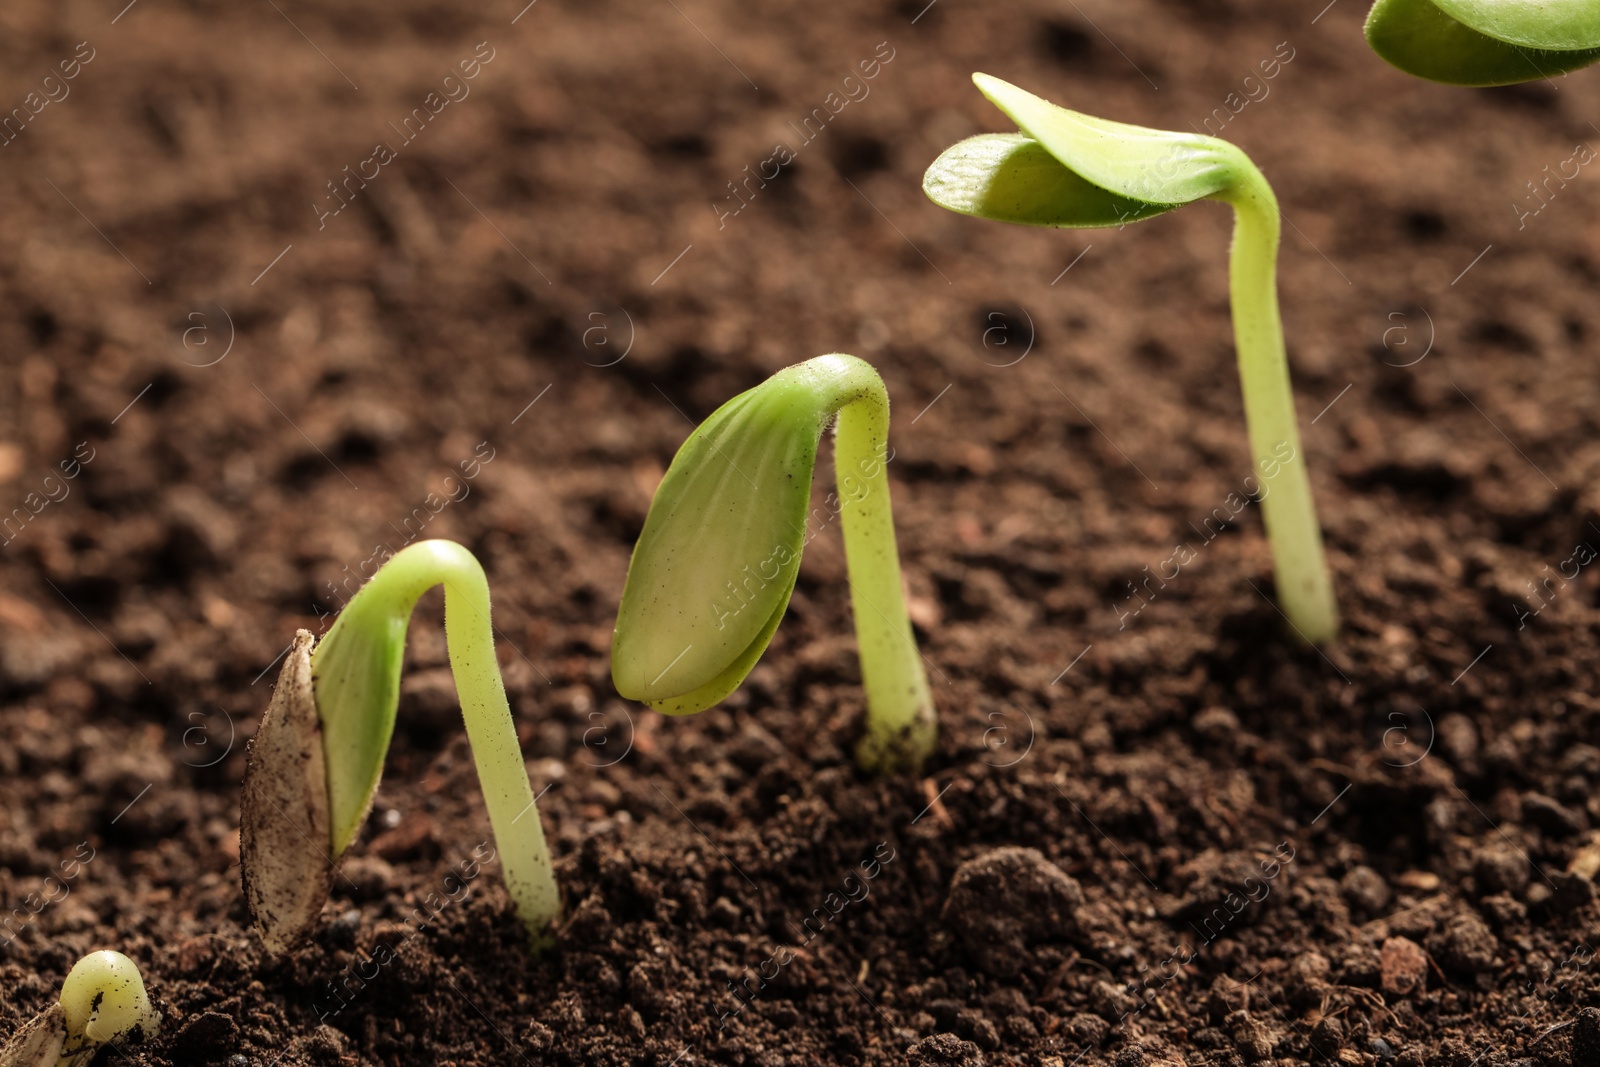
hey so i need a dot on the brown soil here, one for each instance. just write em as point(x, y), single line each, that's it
point(1407, 806)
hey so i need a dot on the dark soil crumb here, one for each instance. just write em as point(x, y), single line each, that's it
point(1004, 903)
point(944, 1050)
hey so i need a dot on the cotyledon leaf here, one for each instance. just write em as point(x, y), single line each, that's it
point(1557, 25)
point(716, 562)
point(1111, 172)
point(1010, 177)
point(1483, 43)
point(1157, 167)
point(715, 565)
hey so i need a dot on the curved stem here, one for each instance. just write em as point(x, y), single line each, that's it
point(901, 725)
point(1304, 590)
point(374, 623)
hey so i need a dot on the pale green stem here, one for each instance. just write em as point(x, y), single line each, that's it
point(1304, 590)
point(513, 813)
point(901, 725)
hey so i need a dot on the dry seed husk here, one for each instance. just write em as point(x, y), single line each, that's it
point(39, 1042)
point(283, 816)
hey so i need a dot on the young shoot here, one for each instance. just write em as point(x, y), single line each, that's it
point(1485, 42)
point(316, 759)
point(716, 563)
point(102, 1002)
point(1070, 170)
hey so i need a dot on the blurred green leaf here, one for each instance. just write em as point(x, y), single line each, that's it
point(1485, 42)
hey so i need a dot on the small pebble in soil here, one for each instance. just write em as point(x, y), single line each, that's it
point(195, 955)
point(1500, 870)
point(1328, 1036)
point(1019, 1029)
point(1466, 945)
point(1381, 1049)
point(1586, 1038)
point(1365, 889)
point(1307, 981)
point(1251, 1036)
point(538, 1037)
point(1405, 966)
point(366, 877)
point(1086, 1029)
point(342, 930)
point(1005, 902)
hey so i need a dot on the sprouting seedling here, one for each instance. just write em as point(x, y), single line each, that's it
point(317, 757)
point(1070, 170)
point(103, 1001)
point(1485, 42)
point(716, 563)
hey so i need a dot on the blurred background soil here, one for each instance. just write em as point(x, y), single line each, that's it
point(259, 369)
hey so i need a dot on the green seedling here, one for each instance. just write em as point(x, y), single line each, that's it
point(102, 1002)
point(1485, 42)
point(317, 757)
point(716, 563)
point(1070, 170)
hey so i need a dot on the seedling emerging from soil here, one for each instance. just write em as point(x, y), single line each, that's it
point(102, 1002)
point(1485, 42)
point(1071, 170)
point(315, 762)
point(717, 560)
